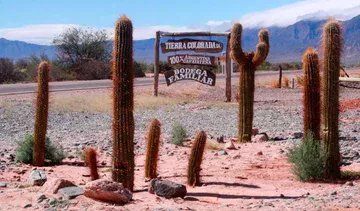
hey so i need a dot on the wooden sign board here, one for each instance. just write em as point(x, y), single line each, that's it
point(191, 59)
point(209, 46)
point(188, 73)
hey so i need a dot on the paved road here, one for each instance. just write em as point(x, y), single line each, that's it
point(13, 89)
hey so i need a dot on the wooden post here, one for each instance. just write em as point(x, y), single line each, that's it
point(156, 64)
point(228, 70)
point(293, 83)
point(280, 76)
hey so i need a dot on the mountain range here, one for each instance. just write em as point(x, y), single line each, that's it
point(287, 44)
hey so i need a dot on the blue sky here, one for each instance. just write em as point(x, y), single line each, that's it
point(103, 13)
point(39, 21)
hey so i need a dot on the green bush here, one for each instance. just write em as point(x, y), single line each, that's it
point(24, 151)
point(178, 134)
point(308, 159)
point(139, 69)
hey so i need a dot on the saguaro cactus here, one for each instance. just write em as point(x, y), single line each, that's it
point(123, 104)
point(42, 107)
point(152, 149)
point(90, 158)
point(311, 93)
point(247, 65)
point(196, 157)
point(332, 44)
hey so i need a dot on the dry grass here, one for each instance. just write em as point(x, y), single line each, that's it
point(275, 84)
point(102, 101)
point(300, 80)
point(7, 104)
point(285, 82)
point(212, 145)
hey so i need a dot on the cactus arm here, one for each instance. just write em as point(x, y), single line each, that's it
point(262, 48)
point(236, 51)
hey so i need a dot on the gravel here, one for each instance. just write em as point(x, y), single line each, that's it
point(278, 113)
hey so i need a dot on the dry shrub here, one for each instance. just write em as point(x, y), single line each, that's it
point(342, 73)
point(275, 84)
point(211, 145)
point(285, 81)
point(300, 80)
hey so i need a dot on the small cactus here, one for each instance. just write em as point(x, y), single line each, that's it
point(196, 157)
point(91, 162)
point(247, 65)
point(332, 46)
point(311, 94)
point(41, 119)
point(152, 149)
point(123, 104)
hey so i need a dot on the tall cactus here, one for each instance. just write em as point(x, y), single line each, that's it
point(152, 149)
point(332, 45)
point(91, 162)
point(123, 104)
point(311, 93)
point(196, 157)
point(41, 119)
point(247, 65)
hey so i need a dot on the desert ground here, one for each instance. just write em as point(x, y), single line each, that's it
point(255, 176)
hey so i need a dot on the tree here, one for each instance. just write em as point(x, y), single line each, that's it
point(8, 73)
point(79, 49)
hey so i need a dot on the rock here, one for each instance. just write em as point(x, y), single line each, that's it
point(3, 184)
point(262, 137)
point(167, 188)
point(229, 145)
point(254, 131)
point(27, 205)
point(297, 135)
point(333, 193)
point(220, 139)
point(260, 153)
point(40, 198)
point(71, 192)
point(170, 153)
point(52, 201)
point(52, 186)
point(349, 183)
point(37, 178)
point(222, 152)
point(237, 156)
point(107, 191)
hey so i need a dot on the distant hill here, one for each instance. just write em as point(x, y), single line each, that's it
point(287, 43)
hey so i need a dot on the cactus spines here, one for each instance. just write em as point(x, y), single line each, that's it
point(41, 119)
point(196, 157)
point(247, 65)
point(91, 162)
point(332, 44)
point(311, 93)
point(152, 149)
point(123, 104)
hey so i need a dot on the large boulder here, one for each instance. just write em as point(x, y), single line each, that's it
point(37, 178)
point(107, 191)
point(52, 186)
point(167, 188)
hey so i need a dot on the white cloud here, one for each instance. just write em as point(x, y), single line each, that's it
point(307, 9)
point(281, 16)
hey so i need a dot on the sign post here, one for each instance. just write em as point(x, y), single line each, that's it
point(193, 68)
